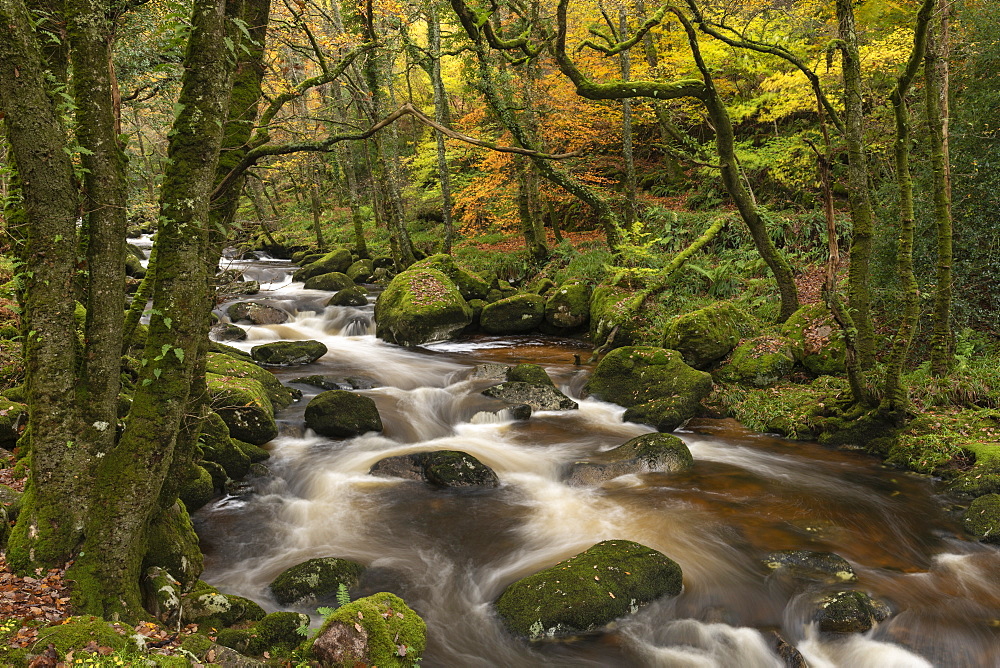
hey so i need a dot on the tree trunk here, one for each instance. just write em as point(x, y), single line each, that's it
point(440, 116)
point(862, 214)
point(937, 90)
point(629, 184)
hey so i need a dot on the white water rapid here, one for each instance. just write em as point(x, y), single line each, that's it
point(449, 554)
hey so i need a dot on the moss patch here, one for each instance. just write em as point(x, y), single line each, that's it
point(378, 630)
point(419, 306)
point(314, 580)
point(708, 334)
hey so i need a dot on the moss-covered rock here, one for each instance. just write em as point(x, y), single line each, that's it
point(218, 447)
point(198, 489)
point(378, 630)
point(664, 414)
point(288, 353)
point(172, 544)
point(133, 267)
point(982, 518)
point(334, 261)
point(348, 297)
point(238, 288)
point(588, 591)
point(207, 606)
point(759, 362)
point(78, 632)
point(342, 414)
point(513, 315)
point(332, 282)
point(225, 331)
point(224, 365)
point(539, 397)
point(529, 373)
point(468, 282)
point(419, 306)
point(643, 454)
point(13, 418)
point(636, 375)
point(613, 310)
point(257, 314)
point(849, 612)
point(223, 349)
point(569, 305)
point(315, 580)
point(451, 468)
point(706, 335)
point(824, 567)
point(361, 271)
point(277, 633)
point(817, 341)
point(254, 452)
point(244, 406)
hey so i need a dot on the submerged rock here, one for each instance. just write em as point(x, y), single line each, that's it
point(663, 453)
point(441, 468)
point(539, 397)
point(378, 630)
point(342, 414)
point(808, 565)
point(588, 591)
point(419, 306)
point(490, 371)
point(315, 580)
point(288, 353)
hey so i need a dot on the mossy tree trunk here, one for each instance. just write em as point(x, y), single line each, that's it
point(859, 193)
point(894, 394)
point(936, 88)
point(440, 116)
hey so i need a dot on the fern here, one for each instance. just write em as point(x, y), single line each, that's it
point(343, 596)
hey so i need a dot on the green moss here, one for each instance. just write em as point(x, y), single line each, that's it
point(569, 305)
point(392, 634)
point(796, 411)
point(277, 633)
point(635, 375)
point(172, 545)
point(209, 608)
point(224, 365)
point(314, 580)
point(254, 452)
point(348, 297)
point(78, 632)
point(468, 282)
point(529, 373)
point(244, 406)
point(614, 307)
point(708, 334)
point(588, 591)
point(198, 489)
point(982, 519)
point(361, 271)
point(334, 261)
point(513, 315)
point(13, 417)
point(418, 306)
point(331, 282)
point(218, 447)
point(817, 341)
point(759, 362)
point(197, 644)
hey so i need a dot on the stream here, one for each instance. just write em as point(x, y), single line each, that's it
point(450, 553)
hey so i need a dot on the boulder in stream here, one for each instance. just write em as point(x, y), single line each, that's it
point(539, 397)
point(529, 373)
point(315, 580)
point(661, 389)
point(225, 331)
point(361, 271)
point(849, 612)
point(378, 630)
point(218, 447)
point(257, 314)
point(225, 365)
point(513, 315)
point(288, 353)
point(441, 468)
point(808, 565)
point(656, 452)
point(419, 306)
point(569, 305)
point(588, 591)
point(348, 297)
point(468, 282)
point(342, 414)
point(244, 406)
point(334, 261)
point(331, 282)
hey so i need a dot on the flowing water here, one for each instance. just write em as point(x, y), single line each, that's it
point(450, 553)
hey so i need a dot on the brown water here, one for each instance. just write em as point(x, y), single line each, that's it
point(450, 553)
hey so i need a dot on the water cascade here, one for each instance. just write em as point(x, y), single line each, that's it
point(449, 554)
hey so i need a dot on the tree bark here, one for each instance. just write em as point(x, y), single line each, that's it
point(441, 117)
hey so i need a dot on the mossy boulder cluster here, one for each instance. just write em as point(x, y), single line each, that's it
point(655, 384)
point(588, 591)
